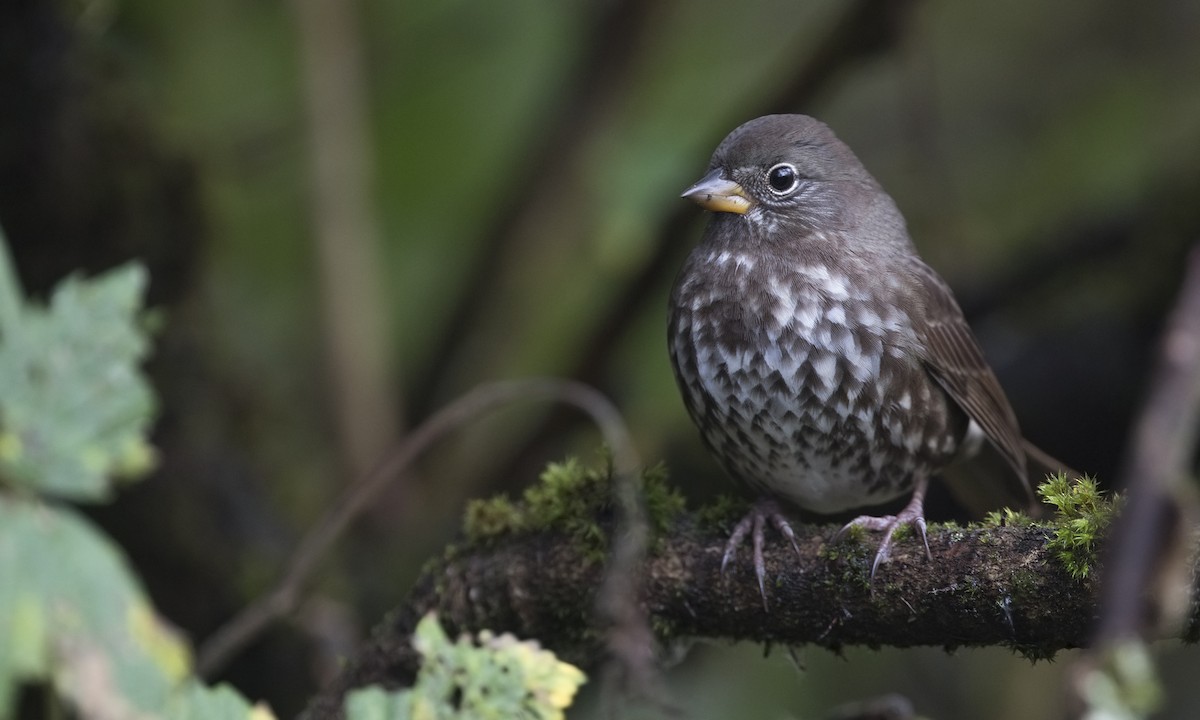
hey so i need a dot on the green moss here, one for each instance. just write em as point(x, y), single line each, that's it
point(829, 551)
point(573, 498)
point(491, 518)
point(1083, 513)
point(903, 532)
point(664, 502)
point(1024, 584)
point(853, 560)
point(723, 513)
point(1006, 518)
point(568, 495)
point(853, 534)
point(1034, 653)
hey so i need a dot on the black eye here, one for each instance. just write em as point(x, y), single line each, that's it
point(783, 178)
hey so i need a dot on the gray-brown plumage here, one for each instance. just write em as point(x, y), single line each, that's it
point(826, 365)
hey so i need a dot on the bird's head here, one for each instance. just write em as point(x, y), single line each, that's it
point(784, 174)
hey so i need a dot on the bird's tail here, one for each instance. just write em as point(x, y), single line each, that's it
point(985, 481)
point(1041, 464)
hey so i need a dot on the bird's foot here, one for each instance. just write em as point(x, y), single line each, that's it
point(913, 514)
point(763, 510)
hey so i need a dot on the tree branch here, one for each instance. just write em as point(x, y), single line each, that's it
point(994, 586)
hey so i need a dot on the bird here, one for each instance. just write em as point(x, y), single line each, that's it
point(826, 365)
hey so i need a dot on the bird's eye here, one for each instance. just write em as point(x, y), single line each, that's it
point(783, 179)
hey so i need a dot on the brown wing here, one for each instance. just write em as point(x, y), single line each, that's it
point(953, 357)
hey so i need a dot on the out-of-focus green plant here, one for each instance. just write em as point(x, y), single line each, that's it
point(74, 410)
point(489, 676)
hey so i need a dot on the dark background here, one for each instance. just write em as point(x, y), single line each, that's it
point(354, 213)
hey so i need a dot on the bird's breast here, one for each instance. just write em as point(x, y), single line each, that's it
point(799, 321)
point(796, 373)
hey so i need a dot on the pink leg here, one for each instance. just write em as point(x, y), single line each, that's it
point(912, 514)
point(763, 509)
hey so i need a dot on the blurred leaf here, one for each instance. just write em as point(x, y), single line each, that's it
point(1122, 686)
point(76, 404)
point(71, 613)
point(491, 676)
point(375, 703)
point(73, 414)
point(198, 702)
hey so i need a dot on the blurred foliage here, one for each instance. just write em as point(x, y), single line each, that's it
point(76, 406)
point(73, 414)
point(528, 158)
point(486, 677)
point(1121, 685)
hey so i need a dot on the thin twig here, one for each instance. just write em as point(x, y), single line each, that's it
point(631, 643)
point(284, 598)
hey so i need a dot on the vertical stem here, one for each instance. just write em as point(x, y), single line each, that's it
point(1162, 445)
point(346, 230)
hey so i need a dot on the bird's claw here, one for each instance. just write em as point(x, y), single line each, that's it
point(753, 524)
point(913, 514)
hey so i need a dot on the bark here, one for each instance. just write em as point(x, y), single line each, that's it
point(982, 586)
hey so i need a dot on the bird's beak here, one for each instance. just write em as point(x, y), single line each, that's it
point(717, 193)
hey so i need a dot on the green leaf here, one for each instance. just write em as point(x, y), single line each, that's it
point(198, 702)
point(72, 614)
point(73, 414)
point(480, 678)
point(75, 405)
point(375, 703)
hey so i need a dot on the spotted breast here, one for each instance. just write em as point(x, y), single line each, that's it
point(803, 381)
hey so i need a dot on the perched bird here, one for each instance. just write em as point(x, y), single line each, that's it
point(826, 365)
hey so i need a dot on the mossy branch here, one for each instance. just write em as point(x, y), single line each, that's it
point(984, 586)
